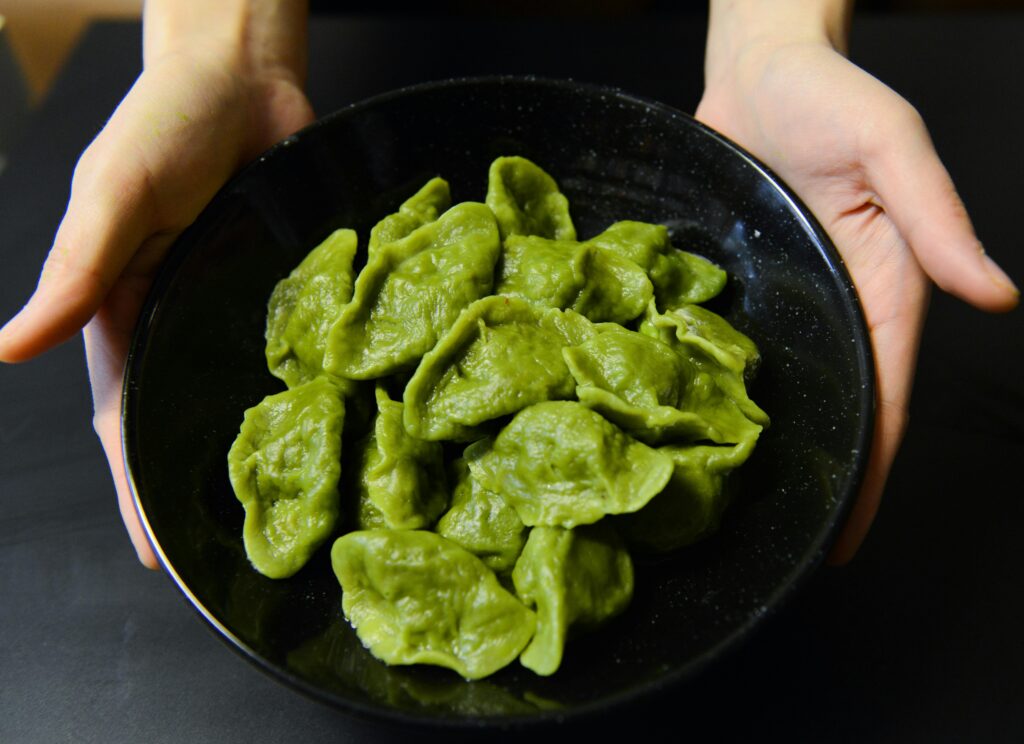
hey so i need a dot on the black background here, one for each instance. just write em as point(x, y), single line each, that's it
point(919, 639)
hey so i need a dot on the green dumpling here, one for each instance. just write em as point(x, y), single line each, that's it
point(422, 207)
point(699, 328)
point(416, 598)
point(480, 521)
point(605, 408)
point(722, 356)
point(596, 283)
point(643, 243)
point(526, 200)
point(644, 385)
point(691, 506)
point(501, 355)
point(578, 577)
point(679, 277)
point(540, 270)
point(616, 289)
point(560, 464)
point(401, 479)
point(284, 468)
point(303, 306)
point(412, 291)
point(638, 383)
point(640, 369)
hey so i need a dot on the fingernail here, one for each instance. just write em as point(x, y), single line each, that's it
point(999, 276)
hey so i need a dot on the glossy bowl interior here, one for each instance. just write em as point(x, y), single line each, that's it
point(197, 362)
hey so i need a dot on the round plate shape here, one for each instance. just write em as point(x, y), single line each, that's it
point(197, 362)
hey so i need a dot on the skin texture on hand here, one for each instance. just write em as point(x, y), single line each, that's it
point(202, 107)
point(861, 159)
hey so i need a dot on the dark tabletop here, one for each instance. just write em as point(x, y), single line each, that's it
point(919, 639)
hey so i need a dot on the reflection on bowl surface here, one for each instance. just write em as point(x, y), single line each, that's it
point(198, 361)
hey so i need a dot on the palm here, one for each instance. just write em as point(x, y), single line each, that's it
point(181, 132)
point(861, 159)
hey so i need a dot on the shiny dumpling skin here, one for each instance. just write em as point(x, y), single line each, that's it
point(691, 506)
point(303, 307)
point(577, 577)
point(640, 369)
point(596, 283)
point(401, 483)
point(425, 206)
point(647, 387)
point(284, 467)
point(560, 464)
point(482, 522)
point(410, 294)
point(616, 290)
point(526, 200)
point(540, 270)
point(638, 383)
point(640, 242)
point(703, 329)
point(722, 357)
point(416, 598)
point(679, 277)
point(500, 356)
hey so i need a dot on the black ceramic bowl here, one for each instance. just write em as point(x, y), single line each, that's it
point(197, 362)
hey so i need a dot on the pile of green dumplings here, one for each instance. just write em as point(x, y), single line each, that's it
point(488, 418)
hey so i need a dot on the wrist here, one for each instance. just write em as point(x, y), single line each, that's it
point(740, 28)
point(259, 37)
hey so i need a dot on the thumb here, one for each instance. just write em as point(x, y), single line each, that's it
point(103, 226)
point(160, 158)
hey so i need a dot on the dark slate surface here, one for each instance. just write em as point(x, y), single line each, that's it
point(917, 640)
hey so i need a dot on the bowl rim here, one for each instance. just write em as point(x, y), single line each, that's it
point(802, 571)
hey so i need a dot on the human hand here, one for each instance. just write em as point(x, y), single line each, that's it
point(221, 82)
point(861, 158)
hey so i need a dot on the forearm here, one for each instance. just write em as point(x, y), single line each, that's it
point(736, 27)
point(262, 37)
